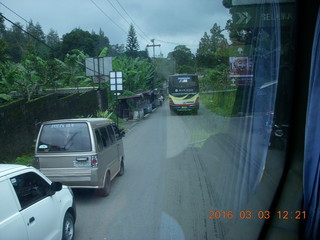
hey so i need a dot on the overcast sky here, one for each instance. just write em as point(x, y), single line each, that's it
point(166, 21)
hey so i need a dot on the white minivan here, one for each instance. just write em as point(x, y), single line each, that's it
point(34, 208)
point(81, 153)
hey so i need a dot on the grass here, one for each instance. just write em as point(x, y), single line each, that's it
point(220, 103)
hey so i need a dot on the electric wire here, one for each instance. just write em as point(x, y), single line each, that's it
point(16, 25)
point(132, 20)
point(125, 19)
point(39, 40)
point(14, 12)
point(106, 15)
point(28, 22)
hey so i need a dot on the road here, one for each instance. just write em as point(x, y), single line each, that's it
point(177, 169)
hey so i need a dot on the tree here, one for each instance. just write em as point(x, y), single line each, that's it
point(81, 40)
point(16, 42)
point(53, 40)
point(2, 27)
point(32, 74)
point(210, 46)
point(36, 38)
point(116, 50)
point(3, 47)
point(183, 58)
point(103, 41)
point(8, 73)
point(132, 46)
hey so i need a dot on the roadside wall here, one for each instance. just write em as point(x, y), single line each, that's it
point(20, 121)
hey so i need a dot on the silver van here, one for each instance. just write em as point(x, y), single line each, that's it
point(81, 153)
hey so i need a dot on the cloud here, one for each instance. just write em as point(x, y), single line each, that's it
point(177, 21)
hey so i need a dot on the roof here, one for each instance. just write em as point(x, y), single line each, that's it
point(138, 95)
point(92, 121)
point(6, 169)
point(183, 74)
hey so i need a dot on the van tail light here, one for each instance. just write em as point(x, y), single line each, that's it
point(197, 100)
point(171, 101)
point(94, 161)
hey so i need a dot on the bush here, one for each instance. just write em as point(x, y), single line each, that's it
point(27, 159)
point(220, 102)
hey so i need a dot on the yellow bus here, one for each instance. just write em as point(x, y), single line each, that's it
point(184, 92)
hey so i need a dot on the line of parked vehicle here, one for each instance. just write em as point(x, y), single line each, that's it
point(79, 153)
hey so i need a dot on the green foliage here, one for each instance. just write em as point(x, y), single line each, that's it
point(104, 114)
point(32, 74)
point(3, 48)
point(27, 159)
point(212, 49)
point(5, 97)
point(8, 72)
point(221, 102)
point(79, 39)
point(74, 70)
point(137, 74)
point(216, 78)
point(103, 52)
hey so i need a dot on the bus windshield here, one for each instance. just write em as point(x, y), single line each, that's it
point(183, 84)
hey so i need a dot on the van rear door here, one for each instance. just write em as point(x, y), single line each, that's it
point(64, 150)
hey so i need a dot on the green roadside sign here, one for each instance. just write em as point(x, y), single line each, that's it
point(249, 16)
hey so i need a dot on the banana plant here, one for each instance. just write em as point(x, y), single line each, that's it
point(137, 73)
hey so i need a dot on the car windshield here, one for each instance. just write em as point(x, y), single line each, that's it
point(218, 98)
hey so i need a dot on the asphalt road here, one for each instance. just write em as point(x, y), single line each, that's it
point(177, 169)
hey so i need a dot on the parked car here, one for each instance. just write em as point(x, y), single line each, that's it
point(33, 207)
point(81, 153)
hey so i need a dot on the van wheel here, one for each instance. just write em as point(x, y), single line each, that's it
point(68, 227)
point(105, 191)
point(121, 172)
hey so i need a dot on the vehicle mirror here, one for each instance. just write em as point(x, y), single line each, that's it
point(56, 186)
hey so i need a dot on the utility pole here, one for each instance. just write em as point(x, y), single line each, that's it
point(153, 46)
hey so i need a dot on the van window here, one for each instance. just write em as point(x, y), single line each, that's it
point(117, 132)
point(104, 137)
point(111, 134)
point(64, 137)
point(99, 139)
point(30, 188)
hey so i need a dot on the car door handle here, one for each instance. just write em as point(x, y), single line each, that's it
point(31, 220)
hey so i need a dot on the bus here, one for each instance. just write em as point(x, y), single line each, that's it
point(184, 92)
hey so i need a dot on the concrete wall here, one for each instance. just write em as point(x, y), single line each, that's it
point(20, 121)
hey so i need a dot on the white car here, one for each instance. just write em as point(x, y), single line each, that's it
point(32, 207)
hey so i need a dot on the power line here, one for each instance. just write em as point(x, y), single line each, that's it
point(109, 17)
point(28, 22)
point(39, 40)
point(36, 37)
point(117, 11)
point(132, 19)
point(174, 43)
point(14, 12)
point(124, 18)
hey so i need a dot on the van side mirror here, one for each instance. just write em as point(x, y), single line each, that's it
point(55, 187)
